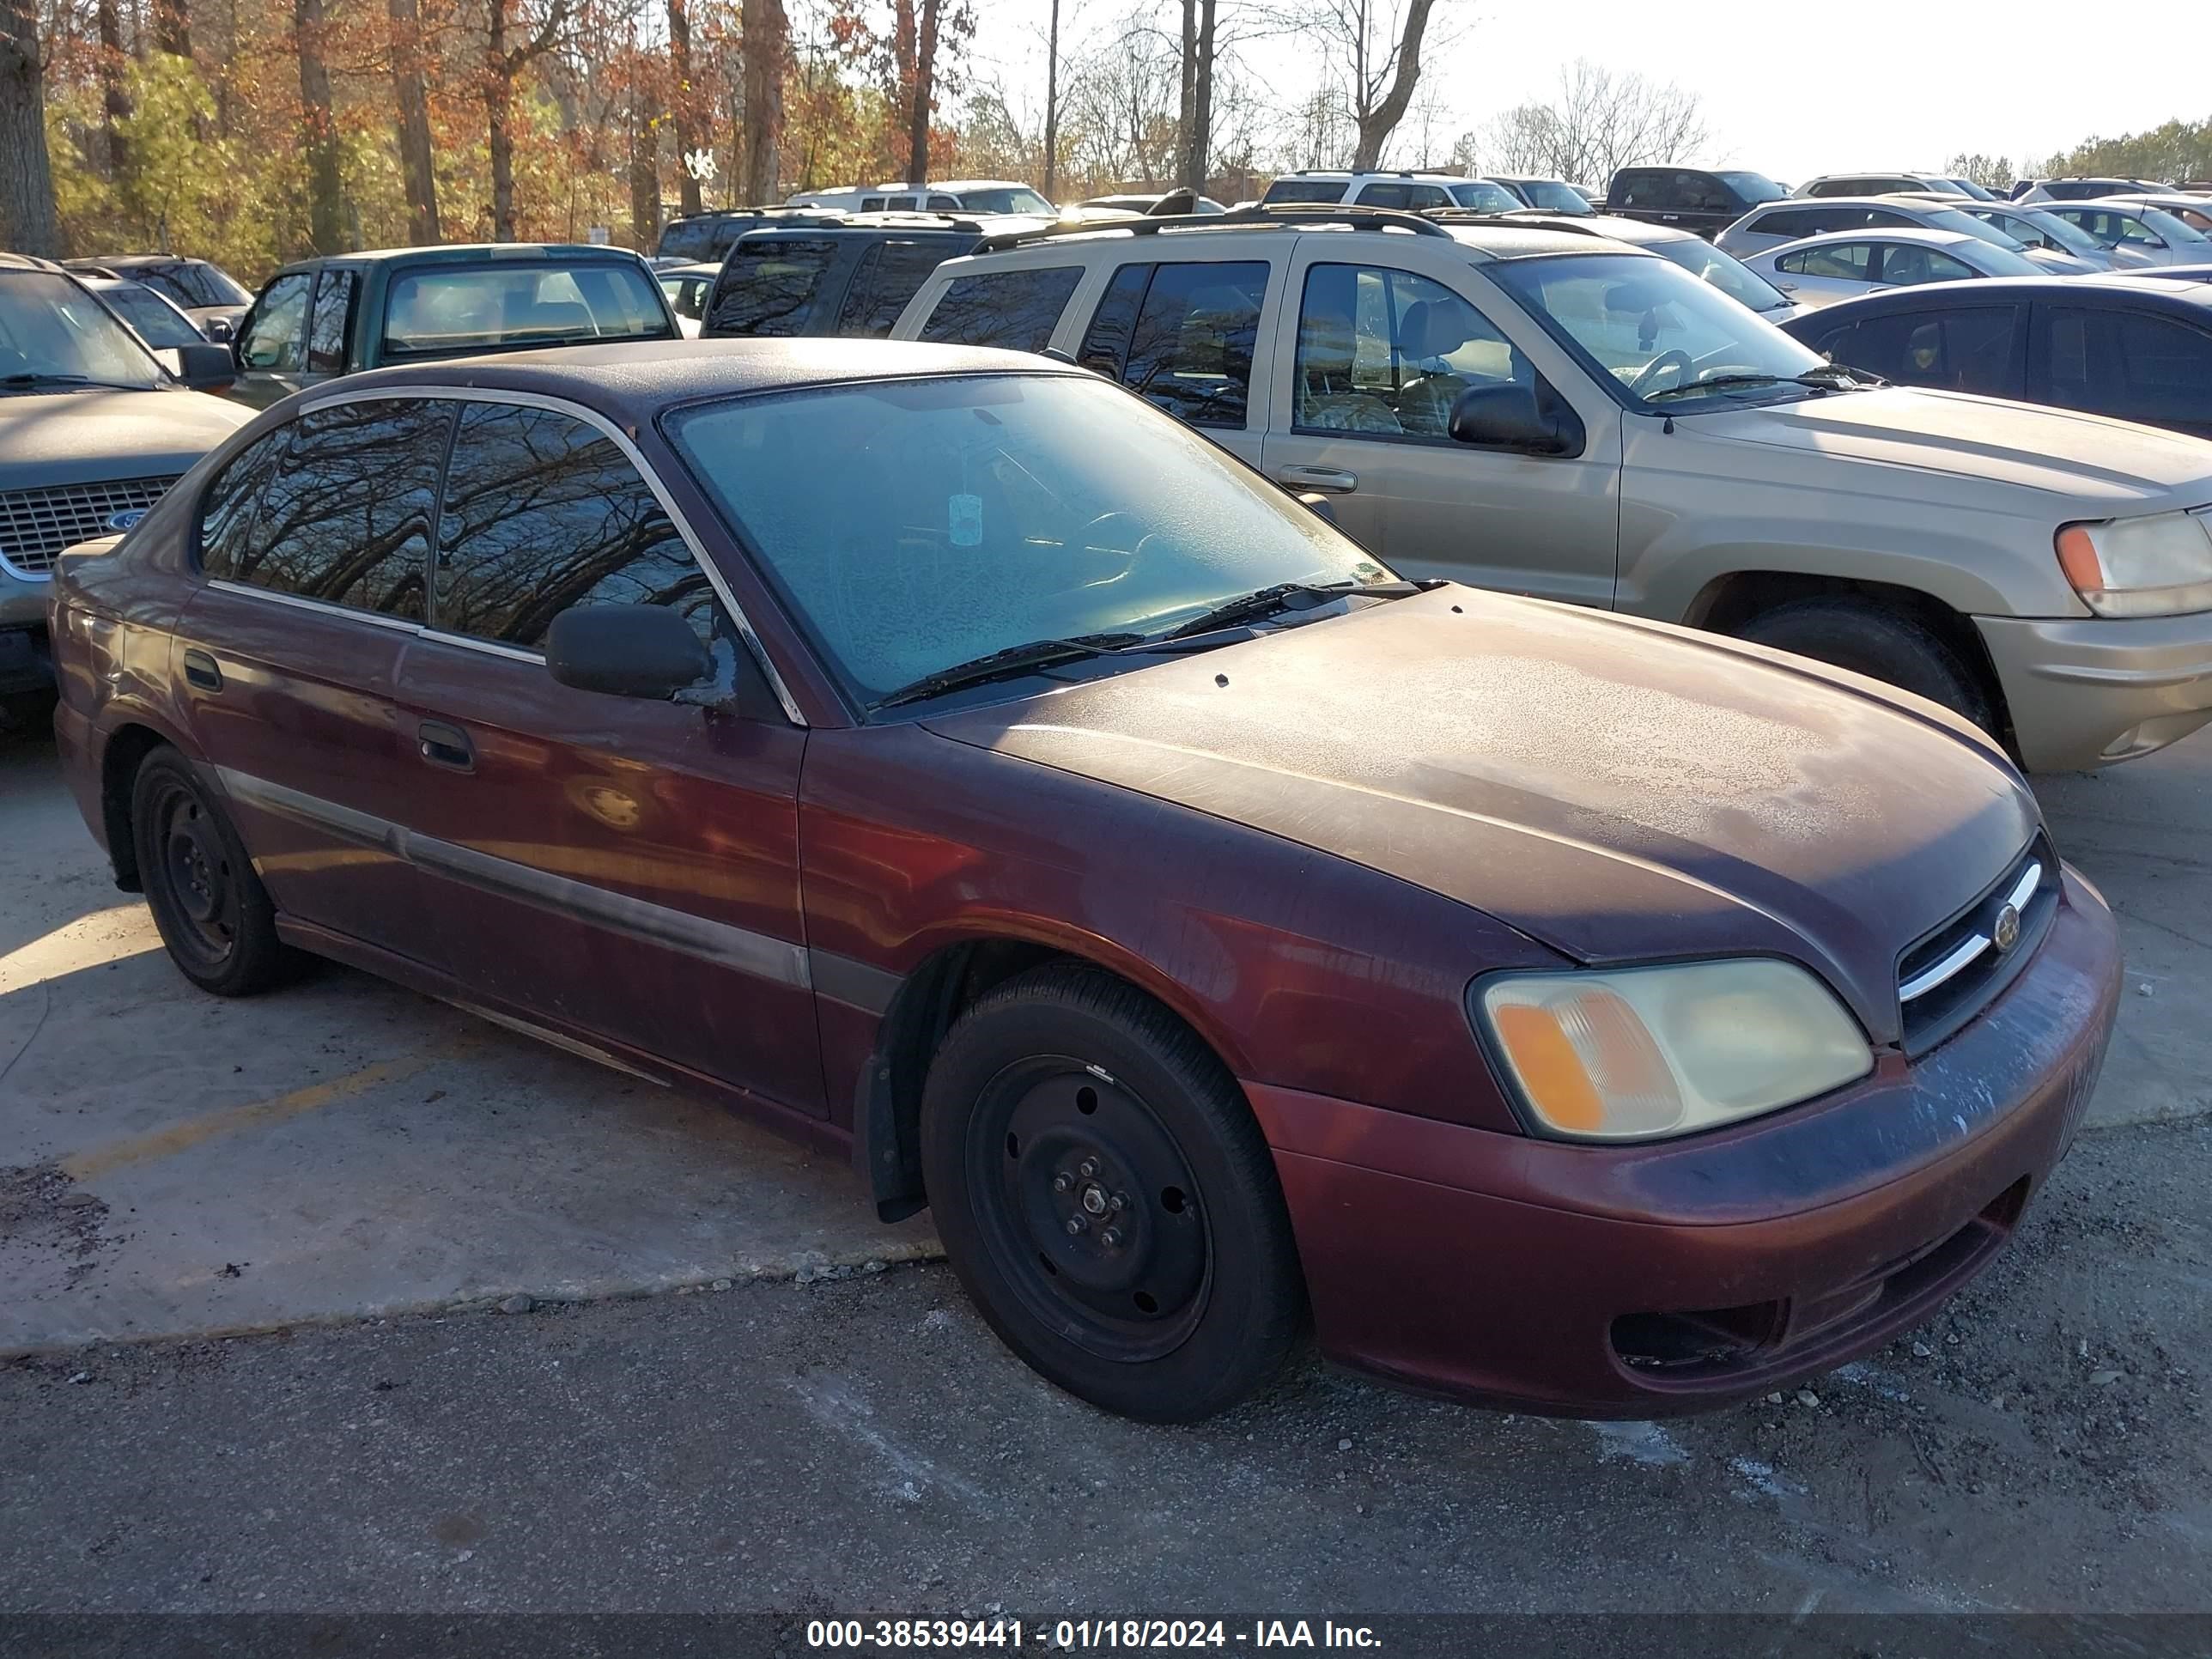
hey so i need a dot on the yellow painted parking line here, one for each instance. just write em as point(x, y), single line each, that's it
point(192, 1131)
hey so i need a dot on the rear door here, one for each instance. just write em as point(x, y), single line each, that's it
point(2136, 366)
point(624, 868)
point(1371, 354)
point(314, 542)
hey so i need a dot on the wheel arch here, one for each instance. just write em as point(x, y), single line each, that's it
point(122, 752)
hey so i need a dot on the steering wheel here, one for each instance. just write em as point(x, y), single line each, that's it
point(1675, 358)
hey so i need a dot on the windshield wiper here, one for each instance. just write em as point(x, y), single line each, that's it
point(1004, 664)
point(31, 381)
point(1810, 378)
point(1246, 606)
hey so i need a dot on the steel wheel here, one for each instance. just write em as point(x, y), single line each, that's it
point(214, 914)
point(196, 874)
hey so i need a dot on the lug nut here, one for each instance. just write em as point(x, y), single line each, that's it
point(1075, 1225)
point(1119, 1201)
point(1088, 1168)
point(1060, 1182)
point(1111, 1238)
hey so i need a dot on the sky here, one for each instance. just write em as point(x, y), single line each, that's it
point(1790, 92)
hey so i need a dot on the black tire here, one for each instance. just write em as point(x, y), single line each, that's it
point(1067, 1075)
point(213, 913)
point(1882, 644)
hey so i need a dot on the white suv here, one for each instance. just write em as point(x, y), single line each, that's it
point(1416, 192)
point(1561, 415)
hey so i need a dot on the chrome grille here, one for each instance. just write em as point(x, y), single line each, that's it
point(35, 524)
point(1950, 975)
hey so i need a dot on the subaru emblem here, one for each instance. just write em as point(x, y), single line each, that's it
point(2006, 933)
point(124, 519)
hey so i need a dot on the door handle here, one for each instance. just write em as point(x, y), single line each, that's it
point(446, 745)
point(1787, 288)
point(1330, 480)
point(201, 670)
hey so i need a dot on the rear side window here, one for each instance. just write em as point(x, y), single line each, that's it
point(1970, 349)
point(1792, 223)
point(1850, 262)
point(344, 515)
point(1412, 197)
point(890, 274)
point(1190, 344)
point(1016, 309)
point(687, 238)
point(769, 285)
point(1645, 187)
point(542, 512)
point(2136, 366)
point(326, 332)
point(1305, 189)
point(1905, 265)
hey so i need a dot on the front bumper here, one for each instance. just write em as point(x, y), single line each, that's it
point(1638, 1281)
point(2091, 692)
point(24, 663)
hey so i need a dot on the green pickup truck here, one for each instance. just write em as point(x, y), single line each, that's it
point(338, 315)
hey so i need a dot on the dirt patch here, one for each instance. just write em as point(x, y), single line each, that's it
point(44, 1214)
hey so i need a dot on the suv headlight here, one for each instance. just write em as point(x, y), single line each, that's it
point(1640, 1053)
point(2159, 566)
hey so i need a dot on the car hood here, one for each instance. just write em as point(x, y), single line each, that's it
point(82, 437)
point(2111, 466)
point(1619, 791)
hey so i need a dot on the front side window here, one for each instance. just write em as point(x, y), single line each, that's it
point(1016, 309)
point(345, 514)
point(327, 330)
point(1843, 262)
point(1970, 349)
point(1000, 509)
point(1190, 343)
point(1387, 353)
point(1906, 264)
point(276, 335)
point(891, 273)
point(443, 309)
point(542, 512)
point(769, 284)
point(1752, 188)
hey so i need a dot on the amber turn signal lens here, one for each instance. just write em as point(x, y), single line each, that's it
point(1588, 1064)
point(2077, 558)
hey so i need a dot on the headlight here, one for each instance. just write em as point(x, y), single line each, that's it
point(2159, 566)
point(1646, 1052)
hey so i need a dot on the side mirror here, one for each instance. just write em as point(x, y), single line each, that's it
point(626, 651)
point(1319, 505)
point(206, 368)
point(1517, 419)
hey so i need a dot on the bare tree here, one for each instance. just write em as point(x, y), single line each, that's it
point(1197, 103)
point(503, 64)
point(682, 102)
point(326, 207)
point(1599, 123)
point(767, 44)
point(1374, 51)
point(27, 220)
point(1052, 101)
point(923, 93)
point(411, 105)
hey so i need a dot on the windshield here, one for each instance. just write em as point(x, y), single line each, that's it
point(53, 332)
point(1753, 187)
point(1484, 197)
point(2051, 228)
point(1731, 276)
point(1014, 198)
point(1967, 186)
point(158, 324)
point(1649, 326)
point(2172, 228)
point(441, 309)
point(997, 510)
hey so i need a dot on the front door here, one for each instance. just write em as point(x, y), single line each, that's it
point(315, 541)
point(619, 867)
point(1375, 356)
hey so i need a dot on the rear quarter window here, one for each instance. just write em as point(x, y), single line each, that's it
point(890, 274)
point(1016, 309)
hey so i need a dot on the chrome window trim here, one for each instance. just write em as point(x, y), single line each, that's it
point(324, 607)
point(621, 440)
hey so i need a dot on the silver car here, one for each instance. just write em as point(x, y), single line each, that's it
point(2154, 234)
point(1773, 223)
point(2194, 211)
point(1822, 269)
point(2035, 228)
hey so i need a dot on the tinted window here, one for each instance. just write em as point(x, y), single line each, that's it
point(768, 285)
point(1011, 199)
point(1106, 342)
point(158, 322)
point(228, 508)
point(1751, 187)
point(1388, 353)
point(448, 308)
point(542, 512)
point(889, 275)
point(2156, 369)
point(1016, 309)
point(326, 333)
point(687, 238)
point(1792, 222)
point(1639, 187)
point(1305, 189)
point(1412, 197)
point(1702, 193)
point(274, 339)
point(1850, 262)
point(1970, 349)
point(1190, 350)
point(1904, 265)
point(346, 517)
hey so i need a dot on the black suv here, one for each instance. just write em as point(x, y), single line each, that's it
point(848, 274)
point(706, 237)
point(1692, 198)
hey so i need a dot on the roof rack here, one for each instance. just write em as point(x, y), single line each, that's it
point(1280, 215)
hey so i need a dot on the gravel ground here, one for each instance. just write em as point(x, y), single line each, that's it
point(861, 1446)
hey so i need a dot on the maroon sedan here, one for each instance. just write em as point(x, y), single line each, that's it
point(945, 756)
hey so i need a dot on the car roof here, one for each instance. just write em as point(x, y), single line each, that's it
point(136, 261)
point(633, 382)
point(28, 261)
point(1927, 200)
point(1488, 236)
point(1614, 226)
point(462, 254)
point(1912, 234)
point(2074, 290)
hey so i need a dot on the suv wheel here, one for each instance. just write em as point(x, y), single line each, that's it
point(1106, 1198)
point(1883, 645)
point(213, 913)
